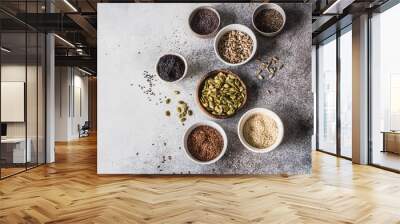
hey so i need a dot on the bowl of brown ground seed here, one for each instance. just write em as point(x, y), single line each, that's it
point(260, 130)
point(205, 142)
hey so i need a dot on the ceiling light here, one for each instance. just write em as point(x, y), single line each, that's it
point(71, 6)
point(79, 51)
point(65, 41)
point(5, 50)
point(84, 71)
point(337, 7)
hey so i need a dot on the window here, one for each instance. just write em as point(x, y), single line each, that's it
point(385, 89)
point(346, 75)
point(334, 73)
point(327, 96)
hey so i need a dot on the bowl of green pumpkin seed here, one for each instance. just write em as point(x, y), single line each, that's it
point(221, 93)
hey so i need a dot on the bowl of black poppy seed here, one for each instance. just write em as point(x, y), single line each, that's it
point(269, 19)
point(171, 67)
point(204, 21)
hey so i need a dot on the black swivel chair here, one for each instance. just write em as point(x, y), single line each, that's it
point(84, 130)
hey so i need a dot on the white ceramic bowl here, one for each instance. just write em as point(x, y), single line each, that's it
point(268, 113)
point(213, 125)
point(184, 61)
point(212, 34)
point(237, 27)
point(269, 6)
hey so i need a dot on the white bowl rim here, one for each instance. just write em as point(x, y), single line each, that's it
point(274, 6)
point(229, 27)
point(184, 62)
point(209, 35)
point(270, 113)
point(213, 125)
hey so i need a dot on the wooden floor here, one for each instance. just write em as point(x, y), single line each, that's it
point(69, 191)
point(5, 172)
point(387, 159)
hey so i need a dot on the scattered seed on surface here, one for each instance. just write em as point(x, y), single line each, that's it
point(271, 66)
point(167, 113)
point(147, 88)
point(168, 100)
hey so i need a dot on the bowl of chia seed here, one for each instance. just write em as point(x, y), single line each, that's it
point(204, 21)
point(171, 67)
point(269, 19)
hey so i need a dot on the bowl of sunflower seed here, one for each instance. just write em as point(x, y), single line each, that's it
point(221, 93)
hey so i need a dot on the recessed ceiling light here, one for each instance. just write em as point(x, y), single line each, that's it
point(84, 71)
point(5, 50)
point(337, 7)
point(65, 41)
point(70, 5)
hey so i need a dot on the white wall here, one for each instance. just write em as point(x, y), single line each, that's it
point(17, 73)
point(69, 84)
point(62, 82)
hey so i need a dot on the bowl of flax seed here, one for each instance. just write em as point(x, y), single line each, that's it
point(205, 142)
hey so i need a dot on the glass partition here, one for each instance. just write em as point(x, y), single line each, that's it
point(23, 89)
point(14, 155)
point(346, 75)
point(385, 89)
point(327, 96)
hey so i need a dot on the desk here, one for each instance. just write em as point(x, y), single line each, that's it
point(391, 141)
point(17, 150)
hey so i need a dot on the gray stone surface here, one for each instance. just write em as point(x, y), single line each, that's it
point(135, 137)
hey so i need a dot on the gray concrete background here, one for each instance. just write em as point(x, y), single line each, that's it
point(135, 137)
